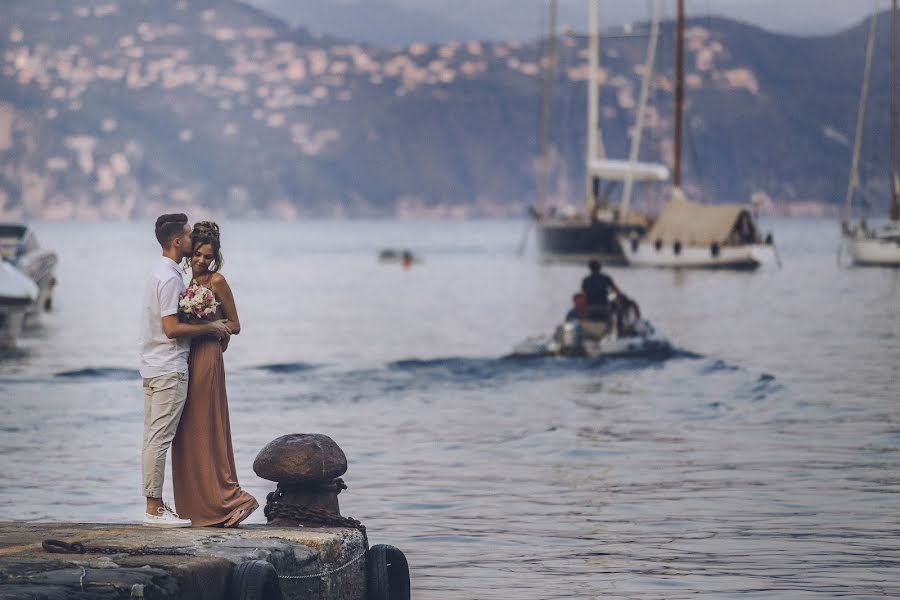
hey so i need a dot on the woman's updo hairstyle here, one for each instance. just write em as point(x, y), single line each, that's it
point(207, 232)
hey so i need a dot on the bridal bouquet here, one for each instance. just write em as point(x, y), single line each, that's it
point(197, 302)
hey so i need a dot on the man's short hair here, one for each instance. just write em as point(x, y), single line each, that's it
point(594, 266)
point(169, 226)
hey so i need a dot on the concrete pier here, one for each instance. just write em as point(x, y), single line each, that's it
point(133, 561)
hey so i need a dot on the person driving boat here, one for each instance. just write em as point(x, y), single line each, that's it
point(596, 288)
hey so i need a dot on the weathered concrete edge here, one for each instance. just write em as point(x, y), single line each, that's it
point(181, 563)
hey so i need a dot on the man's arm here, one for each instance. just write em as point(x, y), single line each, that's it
point(169, 293)
point(612, 286)
point(173, 328)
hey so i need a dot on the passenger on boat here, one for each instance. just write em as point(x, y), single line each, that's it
point(406, 259)
point(596, 288)
point(628, 316)
point(579, 307)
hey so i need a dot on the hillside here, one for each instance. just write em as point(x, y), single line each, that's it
point(379, 22)
point(120, 109)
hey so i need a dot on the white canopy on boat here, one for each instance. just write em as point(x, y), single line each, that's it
point(618, 170)
point(696, 224)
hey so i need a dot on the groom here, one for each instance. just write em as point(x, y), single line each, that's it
point(165, 343)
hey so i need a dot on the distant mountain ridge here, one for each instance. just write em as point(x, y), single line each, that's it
point(519, 20)
point(402, 22)
point(119, 109)
point(376, 22)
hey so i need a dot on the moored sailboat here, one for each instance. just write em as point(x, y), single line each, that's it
point(692, 235)
point(689, 234)
point(875, 246)
point(595, 232)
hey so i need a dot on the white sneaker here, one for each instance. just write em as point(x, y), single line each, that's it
point(165, 517)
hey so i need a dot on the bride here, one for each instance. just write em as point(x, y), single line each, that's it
point(204, 476)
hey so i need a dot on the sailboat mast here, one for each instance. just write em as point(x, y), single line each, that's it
point(593, 120)
point(895, 180)
point(642, 106)
point(861, 116)
point(549, 73)
point(679, 92)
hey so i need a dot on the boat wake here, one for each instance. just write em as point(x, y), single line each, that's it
point(100, 373)
point(332, 382)
point(290, 367)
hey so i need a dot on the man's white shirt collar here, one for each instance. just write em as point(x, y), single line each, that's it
point(171, 264)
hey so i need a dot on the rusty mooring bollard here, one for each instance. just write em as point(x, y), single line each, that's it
point(307, 468)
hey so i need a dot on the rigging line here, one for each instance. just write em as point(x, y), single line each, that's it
point(546, 106)
point(659, 96)
point(679, 92)
point(695, 161)
point(594, 142)
point(649, 65)
point(540, 51)
point(691, 134)
point(865, 204)
point(565, 102)
point(601, 147)
point(563, 120)
point(861, 114)
point(894, 213)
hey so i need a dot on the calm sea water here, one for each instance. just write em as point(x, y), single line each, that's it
point(762, 460)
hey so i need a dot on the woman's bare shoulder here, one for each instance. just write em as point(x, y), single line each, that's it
point(217, 279)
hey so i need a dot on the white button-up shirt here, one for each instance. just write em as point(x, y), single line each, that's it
point(159, 354)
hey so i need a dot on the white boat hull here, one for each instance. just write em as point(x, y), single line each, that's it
point(629, 346)
point(12, 320)
point(19, 246)
point(17, 294)
point(877, 249)
point(649, 343)
point(878, 253)
point(646, 254)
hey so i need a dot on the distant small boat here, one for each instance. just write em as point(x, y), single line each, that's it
point(17, 294)
point(404, 256)
point(19, 246)
point(879, 246)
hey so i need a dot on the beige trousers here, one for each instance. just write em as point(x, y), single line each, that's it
point(164, 398)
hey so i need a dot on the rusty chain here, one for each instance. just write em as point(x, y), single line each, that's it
point(277, 509)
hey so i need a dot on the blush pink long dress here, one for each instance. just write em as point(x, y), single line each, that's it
point(204, 477)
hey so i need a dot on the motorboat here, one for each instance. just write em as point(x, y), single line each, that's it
point(19, 246)
point(625, 333)
point(593, 339)
point(405, 257)
point(18, 292)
